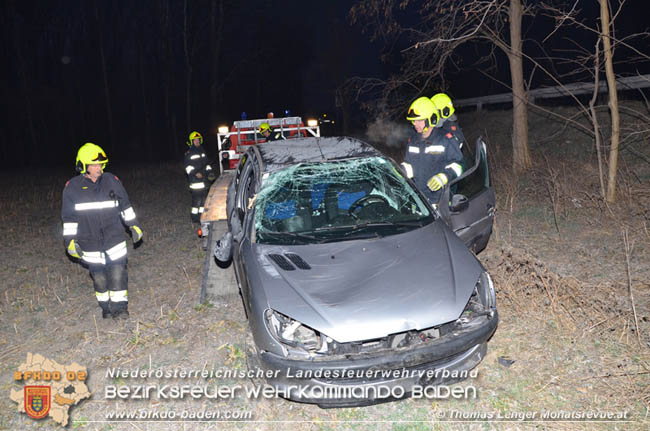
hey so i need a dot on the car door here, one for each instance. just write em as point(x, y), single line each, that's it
point(469, 200)
point(246, 190)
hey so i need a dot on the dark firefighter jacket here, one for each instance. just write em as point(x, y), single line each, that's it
point(196, 162)
point(439, 153)
point(451, 126)
point(94, 214)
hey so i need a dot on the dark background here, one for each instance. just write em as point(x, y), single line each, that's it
point(135, 77)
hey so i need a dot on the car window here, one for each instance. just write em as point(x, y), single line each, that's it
point(475, 182)
point(332, 201)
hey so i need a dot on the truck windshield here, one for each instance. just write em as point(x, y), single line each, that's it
point(337, 201)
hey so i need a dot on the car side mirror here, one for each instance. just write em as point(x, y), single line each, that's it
point(459, 203)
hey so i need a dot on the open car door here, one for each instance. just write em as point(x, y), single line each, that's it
point(467, 203)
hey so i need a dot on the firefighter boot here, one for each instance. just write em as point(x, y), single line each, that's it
point(117, 290)
point(100, 283)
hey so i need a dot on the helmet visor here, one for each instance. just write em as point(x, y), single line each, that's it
point(101, 157)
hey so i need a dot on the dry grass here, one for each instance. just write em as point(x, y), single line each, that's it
point(562, 270)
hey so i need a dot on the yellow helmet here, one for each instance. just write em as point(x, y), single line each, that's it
point(443, 104)
point(193, 136)
point(264, 127)
point(90, 154)
point(423, 109)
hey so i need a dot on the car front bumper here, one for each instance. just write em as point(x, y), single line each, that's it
point(364, 379)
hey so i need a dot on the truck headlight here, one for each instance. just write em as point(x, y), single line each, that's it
point(223, 129)
point(312, 122)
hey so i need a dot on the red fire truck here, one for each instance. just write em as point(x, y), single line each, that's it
point(234, 142)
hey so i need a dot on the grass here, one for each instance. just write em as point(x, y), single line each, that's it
point(563, 301)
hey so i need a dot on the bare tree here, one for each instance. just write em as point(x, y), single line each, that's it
point(585, 59)
point(444, 26)
point(188, 68)
point(613, 101)
point(107, 92)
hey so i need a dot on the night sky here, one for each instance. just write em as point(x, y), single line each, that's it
point(116, 72)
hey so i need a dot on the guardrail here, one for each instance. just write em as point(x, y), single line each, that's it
point(627, 83)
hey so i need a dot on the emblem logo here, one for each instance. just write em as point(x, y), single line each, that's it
point(38, 401)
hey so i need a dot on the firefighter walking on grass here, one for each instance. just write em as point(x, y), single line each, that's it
point(198, 170)
point(95, 212)
point(433, 156)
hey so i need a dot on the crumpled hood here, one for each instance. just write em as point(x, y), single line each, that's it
point(366, 289)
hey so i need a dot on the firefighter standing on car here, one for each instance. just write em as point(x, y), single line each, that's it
point(433, 156)
point(269, 134)
point(95, 212)
point(198, 172)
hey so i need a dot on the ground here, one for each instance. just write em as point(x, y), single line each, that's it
point(571, 274)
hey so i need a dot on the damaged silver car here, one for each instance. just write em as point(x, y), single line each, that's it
point(350, 278)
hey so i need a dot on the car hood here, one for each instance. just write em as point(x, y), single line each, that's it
point(365, 289)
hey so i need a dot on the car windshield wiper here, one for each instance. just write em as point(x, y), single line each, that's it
point(354, 227)
point(290, 234)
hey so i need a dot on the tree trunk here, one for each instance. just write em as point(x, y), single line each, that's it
point(145, 106)
point(520, 152)
point(107, 93)
point(216, 38)
point(613, 102)
point(167, 77)
point(188, 67)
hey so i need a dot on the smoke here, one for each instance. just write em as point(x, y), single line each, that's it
point(389, 136)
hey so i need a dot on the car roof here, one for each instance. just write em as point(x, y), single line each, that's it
point(281, 154)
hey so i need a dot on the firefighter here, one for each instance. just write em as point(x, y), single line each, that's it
point(433, 156)
point(269, 134)
point(95, 211)
point(446, 113)
point(198, 172)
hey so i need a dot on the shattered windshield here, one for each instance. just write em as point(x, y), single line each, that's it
point(336, 201)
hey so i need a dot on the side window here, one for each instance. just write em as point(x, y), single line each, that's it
point(478, 180)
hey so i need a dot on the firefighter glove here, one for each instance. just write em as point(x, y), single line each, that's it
point(136, 233)
point(74, 250)
point(437, 182)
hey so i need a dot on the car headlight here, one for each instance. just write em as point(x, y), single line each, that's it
point(312, 123)
point(294, 334)
point(482, 302)
point(223, 129)
point(485, 288)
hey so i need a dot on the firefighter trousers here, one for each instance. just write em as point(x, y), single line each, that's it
point(198, 199)
point(111, 286)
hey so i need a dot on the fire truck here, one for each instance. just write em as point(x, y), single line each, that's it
point(232, 143)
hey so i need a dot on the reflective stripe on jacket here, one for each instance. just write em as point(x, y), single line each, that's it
point(94, 214)
point(195, 162)
point(439, 153)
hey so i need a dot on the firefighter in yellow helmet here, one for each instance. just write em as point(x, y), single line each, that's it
point(269, 134)
point(198, 171)
point(95, 211)
point(433, 156)
point(446, 112)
